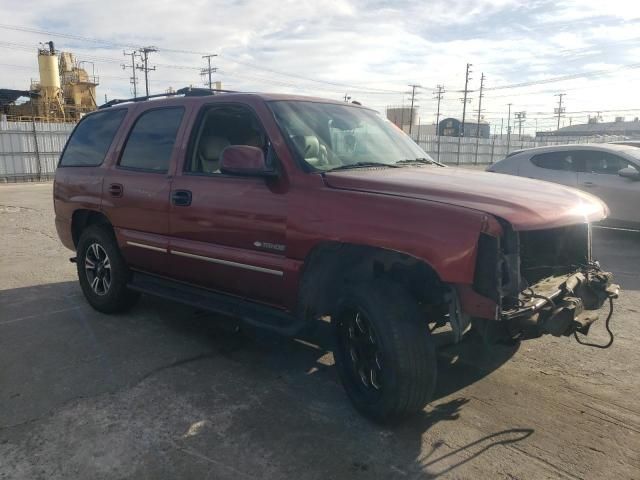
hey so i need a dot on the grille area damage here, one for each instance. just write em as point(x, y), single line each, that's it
point(544, 281)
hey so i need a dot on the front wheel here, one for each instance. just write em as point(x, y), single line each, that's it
point(384, 353)
point(102, 272)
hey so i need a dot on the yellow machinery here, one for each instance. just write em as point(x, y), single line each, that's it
point(64, 91)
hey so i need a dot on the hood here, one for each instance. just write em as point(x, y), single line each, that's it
point(526, 204)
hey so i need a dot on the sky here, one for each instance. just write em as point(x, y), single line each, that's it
point(369, 50)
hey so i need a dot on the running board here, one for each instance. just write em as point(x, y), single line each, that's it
point(249, 313)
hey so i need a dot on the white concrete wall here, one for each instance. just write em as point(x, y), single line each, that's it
point(489, 150)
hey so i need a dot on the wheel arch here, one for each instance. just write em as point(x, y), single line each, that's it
point(83, 218)
point(331, 265)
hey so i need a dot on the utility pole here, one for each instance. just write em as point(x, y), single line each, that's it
point(464, 100)
point(439, 92)
point(520, 116)
point(464, 109)
point(479, 112)
point(560, 109)
point(413, 95)
point(145, 66)
point(509, 128)
point(209, 70)
point(133, 80)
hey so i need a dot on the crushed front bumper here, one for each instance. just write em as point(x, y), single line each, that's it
point(561, 304)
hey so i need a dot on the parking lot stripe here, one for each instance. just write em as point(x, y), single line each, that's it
point(44, 314)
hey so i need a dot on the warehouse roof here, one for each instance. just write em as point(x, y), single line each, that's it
point(603, 128)
point(8, 96)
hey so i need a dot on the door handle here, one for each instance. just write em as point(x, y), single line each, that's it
point(181, 198)
point(589, 184)
point(116, 189)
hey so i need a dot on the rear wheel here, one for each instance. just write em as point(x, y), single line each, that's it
point(384, 353)
point(102, 272)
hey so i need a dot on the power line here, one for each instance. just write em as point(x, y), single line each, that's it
point(563, 78)
point(189, 52)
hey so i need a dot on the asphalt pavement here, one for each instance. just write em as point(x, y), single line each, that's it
point(163, 392)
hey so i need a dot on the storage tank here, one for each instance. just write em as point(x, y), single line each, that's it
point(48, 66)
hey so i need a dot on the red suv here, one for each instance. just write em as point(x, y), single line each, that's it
point(282, 211)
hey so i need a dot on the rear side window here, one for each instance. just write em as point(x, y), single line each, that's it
point(91, 139)
point(151, 140)
point(556, 161)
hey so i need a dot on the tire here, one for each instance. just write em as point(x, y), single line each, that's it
point(105, 284)
point(401, 374)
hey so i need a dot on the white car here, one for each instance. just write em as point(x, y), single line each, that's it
point(611, 172)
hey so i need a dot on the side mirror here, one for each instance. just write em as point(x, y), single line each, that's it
point(245, 160)
point(629, 172)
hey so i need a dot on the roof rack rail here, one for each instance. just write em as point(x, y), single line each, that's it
point(186, 91)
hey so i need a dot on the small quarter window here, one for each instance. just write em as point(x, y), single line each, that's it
point(91, 139)
point(151, 140)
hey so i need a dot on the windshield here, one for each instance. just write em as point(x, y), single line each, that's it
point(330, 136)
point(634, 152)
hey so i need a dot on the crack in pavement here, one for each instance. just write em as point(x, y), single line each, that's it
point(129, 386)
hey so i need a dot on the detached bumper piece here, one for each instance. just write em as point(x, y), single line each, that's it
point(560, 305)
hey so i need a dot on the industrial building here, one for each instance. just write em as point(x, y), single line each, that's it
point(452, 127)
point(402, 116)
point(619, 127)
point(63, 93)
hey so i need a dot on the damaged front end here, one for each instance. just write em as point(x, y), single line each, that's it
point(543, 281)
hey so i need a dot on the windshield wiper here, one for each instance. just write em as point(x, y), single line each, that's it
point(361, 165)
point(420, 160)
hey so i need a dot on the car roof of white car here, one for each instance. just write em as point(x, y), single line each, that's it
point(607, 147)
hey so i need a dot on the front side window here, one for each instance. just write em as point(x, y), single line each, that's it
point(328, 136)
point(220, 127)
point(565, 161)
point(150, 143)
point(91, 139)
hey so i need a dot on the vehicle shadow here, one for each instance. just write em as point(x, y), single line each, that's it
point(55, 349)
point(618, 251)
